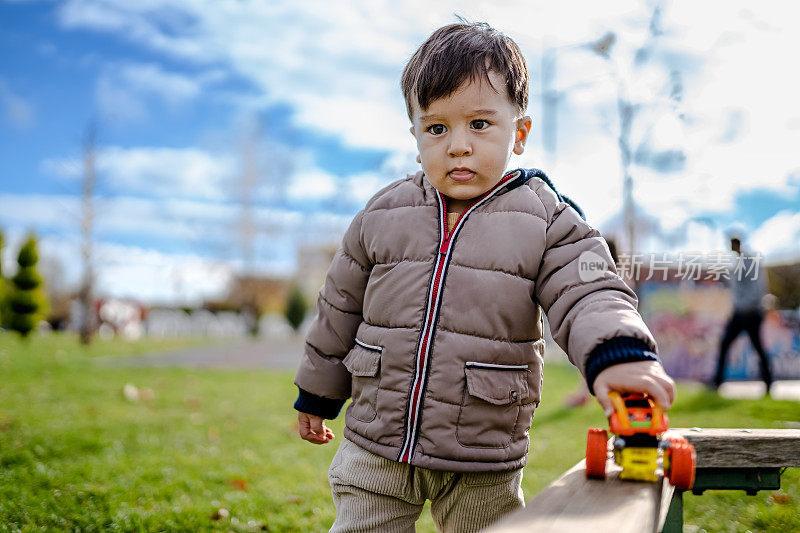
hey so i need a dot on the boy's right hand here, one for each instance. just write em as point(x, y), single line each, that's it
point(312, 428)
point(636, 376)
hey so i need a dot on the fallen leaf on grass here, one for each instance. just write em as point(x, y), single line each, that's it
point(779, 497)
point(238, 483)
point(146, 394)
point(193, 404)
point(5, 422)
point(294, 499)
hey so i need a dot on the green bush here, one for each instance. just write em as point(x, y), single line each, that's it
point(295, 308)
point(26, 278)
point(28, 256)
point(23, 323)
point(2, 282)
point(26, 301)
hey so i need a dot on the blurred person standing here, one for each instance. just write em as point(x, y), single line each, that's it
point(748, 289)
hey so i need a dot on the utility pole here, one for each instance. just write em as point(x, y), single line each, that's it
point(87, 221)
point(626, 111)
point(248, 227)
point(248, 185)
point(549, 105)
point(551, 95)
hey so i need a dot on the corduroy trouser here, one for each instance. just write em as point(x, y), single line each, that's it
point(372, 493)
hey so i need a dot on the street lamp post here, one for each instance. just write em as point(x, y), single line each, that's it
point(626, 110)
point(551, 95)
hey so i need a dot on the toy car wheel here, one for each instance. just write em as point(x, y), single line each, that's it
point(596, 453)
point(682, 466)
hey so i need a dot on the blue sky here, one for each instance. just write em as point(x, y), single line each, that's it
point(178, 89)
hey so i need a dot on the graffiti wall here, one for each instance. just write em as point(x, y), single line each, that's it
point(687, 320)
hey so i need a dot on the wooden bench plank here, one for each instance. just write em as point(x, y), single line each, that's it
point(744, 448)
point(575, 503)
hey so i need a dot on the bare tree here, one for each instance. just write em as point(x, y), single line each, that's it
point(87, 220)
point(629, 111)
point(248, 185)
point(630, 114)
point(248, 229)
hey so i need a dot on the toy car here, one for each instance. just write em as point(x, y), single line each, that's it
point(639, 424)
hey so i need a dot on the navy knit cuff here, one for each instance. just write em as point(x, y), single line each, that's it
point(317, 405)
point(613, 352)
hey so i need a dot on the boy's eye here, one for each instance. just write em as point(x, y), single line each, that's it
point(483, 124)
point(436, 129)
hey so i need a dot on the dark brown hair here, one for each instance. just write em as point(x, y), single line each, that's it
point(456, 52)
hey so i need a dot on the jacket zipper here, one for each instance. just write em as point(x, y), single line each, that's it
point(414, 411)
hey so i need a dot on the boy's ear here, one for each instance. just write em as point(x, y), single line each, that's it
point(411, 129)
point(522, 133)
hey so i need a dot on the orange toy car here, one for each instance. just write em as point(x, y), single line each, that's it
point(639, 423)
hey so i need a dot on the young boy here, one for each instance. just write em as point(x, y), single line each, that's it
point(430, 316)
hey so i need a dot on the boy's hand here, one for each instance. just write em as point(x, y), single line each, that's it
point(312, 428)
point(637, 376)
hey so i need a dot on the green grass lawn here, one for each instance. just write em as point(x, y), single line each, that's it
point(76, 454)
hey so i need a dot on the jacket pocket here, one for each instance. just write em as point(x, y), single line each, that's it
point(364, 362)
point(490, 406)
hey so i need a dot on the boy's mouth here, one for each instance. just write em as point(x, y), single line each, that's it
point(461, 174)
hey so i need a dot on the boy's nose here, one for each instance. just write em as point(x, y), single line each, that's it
point(459, 145)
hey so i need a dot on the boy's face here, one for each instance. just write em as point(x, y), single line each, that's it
point(475, 129)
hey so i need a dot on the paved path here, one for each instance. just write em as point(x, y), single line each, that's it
point(284, 354)
point(279, 354)
point(781, 390)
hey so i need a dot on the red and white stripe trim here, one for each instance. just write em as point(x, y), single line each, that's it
point(446, 243)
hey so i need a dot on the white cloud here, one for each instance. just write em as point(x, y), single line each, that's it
point(312, 183)
point(194, 222)
point(143, 274)
point(779, 238)
point(158, 172)
point(739, 132)
point(181, 240)
point(165, 171)
point(124, 90)
point(744, 74)
point(117, 103)
point(151, 276)
point(153, 79)
point(39, 211)
point(17, 111)
point(362, 187)
point(339, 67)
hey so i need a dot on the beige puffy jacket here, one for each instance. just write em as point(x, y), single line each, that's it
point(437, 335)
